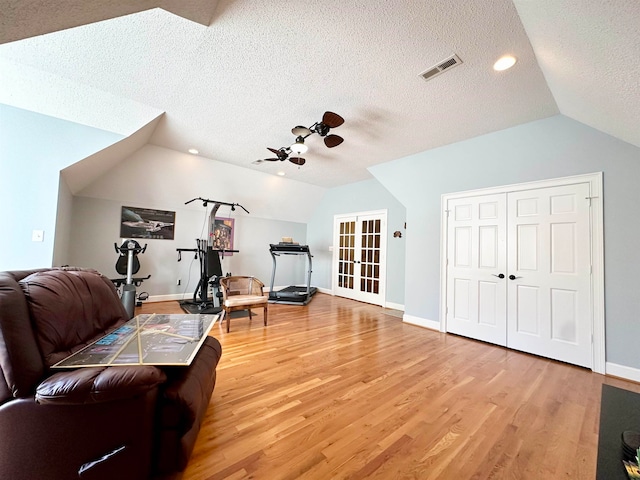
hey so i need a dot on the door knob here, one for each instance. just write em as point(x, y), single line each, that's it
point(513, 277)
point(499, 276)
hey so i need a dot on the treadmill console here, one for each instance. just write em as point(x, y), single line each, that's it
point(288, 248)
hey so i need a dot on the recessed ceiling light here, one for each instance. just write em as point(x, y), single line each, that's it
point(281, 174)
point(504, 63)
point(194, 151)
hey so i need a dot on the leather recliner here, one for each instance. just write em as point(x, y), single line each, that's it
point(124, 422)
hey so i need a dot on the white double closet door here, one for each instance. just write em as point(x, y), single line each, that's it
point(518, 271)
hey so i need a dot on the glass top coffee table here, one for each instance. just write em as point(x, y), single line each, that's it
point(150, 339)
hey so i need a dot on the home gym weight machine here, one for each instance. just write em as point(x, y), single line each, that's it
point(128, 264)
point(210, 265)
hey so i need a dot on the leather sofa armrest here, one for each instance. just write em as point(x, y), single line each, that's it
point(98, 385)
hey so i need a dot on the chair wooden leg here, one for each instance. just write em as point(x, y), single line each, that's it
point(250, 316)
point(228, 315)
point(265, 316)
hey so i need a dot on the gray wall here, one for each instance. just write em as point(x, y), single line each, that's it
point(358, 197)
point(96, 227)
point(33, 150)
point(549, 148)
point(63, 224)
point(156, 177)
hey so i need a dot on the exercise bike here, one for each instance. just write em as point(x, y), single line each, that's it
point(128, 264)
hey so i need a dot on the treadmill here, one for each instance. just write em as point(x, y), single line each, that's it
point(292, 295)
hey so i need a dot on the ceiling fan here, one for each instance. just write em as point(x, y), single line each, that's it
point(282, 154)
point(329, 120)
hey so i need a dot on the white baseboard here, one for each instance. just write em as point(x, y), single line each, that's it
point(394, 306)
point(623, 371)
point(421, 322)
point(168, 298)
point(391, 305)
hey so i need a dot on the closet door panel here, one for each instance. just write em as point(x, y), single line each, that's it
point(476, 296)
point(549, 312)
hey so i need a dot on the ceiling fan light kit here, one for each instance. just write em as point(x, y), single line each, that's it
point(300, 131)
point(299, 146)
point(329, 120)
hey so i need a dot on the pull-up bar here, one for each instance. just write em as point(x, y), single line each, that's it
point(206, 201)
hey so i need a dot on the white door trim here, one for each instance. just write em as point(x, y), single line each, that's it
point(383, 252)
point(597, 251)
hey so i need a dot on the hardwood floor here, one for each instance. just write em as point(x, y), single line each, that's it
point(340, 389)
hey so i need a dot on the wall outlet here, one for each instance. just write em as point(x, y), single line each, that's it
point(179, 282)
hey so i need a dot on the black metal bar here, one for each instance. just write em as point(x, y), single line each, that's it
point(180, 250)
point(273, 275)
point(206, 201)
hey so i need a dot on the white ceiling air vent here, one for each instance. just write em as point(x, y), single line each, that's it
point(440, 67)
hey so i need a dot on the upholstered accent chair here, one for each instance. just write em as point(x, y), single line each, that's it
point(242, 293)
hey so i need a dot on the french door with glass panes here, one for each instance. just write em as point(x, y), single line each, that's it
point(359, 253)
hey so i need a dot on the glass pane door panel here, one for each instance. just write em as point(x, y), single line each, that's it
point(346, 254)
point(361, 244)
point(370, 256)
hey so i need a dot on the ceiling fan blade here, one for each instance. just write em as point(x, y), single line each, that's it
point(282, 154)
point(333, 140)
point(332, 120)
point(297, 160)
point(271, 159)
point(300, 131)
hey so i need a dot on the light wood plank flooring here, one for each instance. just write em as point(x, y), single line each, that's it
point(340, 389)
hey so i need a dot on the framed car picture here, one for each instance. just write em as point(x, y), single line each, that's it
point(147, 223)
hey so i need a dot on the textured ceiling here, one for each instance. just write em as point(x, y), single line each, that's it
point(589, 52)
point(239, 85)
point(27, 18)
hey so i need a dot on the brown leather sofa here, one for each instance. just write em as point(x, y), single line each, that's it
point(91, 423)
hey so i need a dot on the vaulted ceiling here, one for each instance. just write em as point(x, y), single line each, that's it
point(235, 76)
